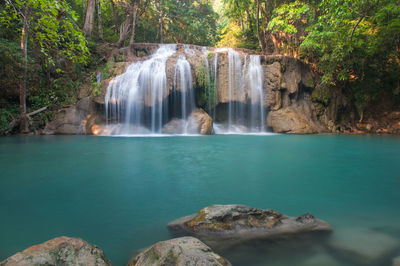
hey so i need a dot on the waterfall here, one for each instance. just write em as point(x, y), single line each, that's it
point(215, 82)
point(255, 79)
point(235, 90)
point(208, 80)
point(246, 111)
point(184, 84)
point(143, 100)
point(135, 99)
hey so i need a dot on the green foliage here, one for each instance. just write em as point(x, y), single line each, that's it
point(96, 88)
point(108, 69)
point(355, 44)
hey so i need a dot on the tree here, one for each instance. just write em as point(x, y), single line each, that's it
point(89, 18)
point(51, 26)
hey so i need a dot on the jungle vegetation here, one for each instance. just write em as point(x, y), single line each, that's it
point(50, 48)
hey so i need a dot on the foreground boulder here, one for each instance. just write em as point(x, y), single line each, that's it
point(179, 251)
point(239, 222)
point(59, 251)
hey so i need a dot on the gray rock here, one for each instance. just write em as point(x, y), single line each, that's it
point(179, 251)
point(239, 222)
point(363, 245)
point(59, 251)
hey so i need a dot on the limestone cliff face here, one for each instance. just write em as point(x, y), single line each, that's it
point(289, 89)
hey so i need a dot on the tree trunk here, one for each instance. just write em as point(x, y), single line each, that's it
point(124, 30)
point(89, 18)
point(115, 16)
point(99, 23)
point(24, 123)
point(160, 22)
point(260, 37)
point(134, 19)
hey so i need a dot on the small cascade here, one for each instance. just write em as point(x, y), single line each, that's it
point(246, 111)
point(184, 85)
point(210, 97)
point(135, 100)
point(236, 83)
point(215, 83)
point(255, 79)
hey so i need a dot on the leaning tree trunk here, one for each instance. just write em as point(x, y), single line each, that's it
point(134, 19)
point(124, 31)
point(99, 23)
point(89, 18)
point(24, 124)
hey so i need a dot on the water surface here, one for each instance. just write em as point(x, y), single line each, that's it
point(119, 193)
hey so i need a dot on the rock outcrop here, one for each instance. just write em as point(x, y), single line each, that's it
point(239, 222)
point(179, 252)
point(294, 119)
point(59, 251)
point(82, 118)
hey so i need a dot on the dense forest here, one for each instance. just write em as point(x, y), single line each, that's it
point(49, 49)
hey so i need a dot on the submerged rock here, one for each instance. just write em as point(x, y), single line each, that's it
point(363, 245)
point(179, 251)
point(59, 251)
point(239, 222)
point(396, 261)
point(320, 259)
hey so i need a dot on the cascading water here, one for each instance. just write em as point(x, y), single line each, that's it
point(144, 100)
point(245, 110)
point(207, 79)
point(183, 83)
point(236, 91)
point(135, 100)
point(255, 79)
point(215, 85)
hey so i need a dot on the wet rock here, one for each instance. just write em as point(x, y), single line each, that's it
point(199, 122)
point(179, 251)
point(363, 245)
point(59, 251)
point(239, 222)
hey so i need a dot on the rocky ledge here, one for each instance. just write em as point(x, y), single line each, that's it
point(59, 251)
point(179, 251)
point(239, 222)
